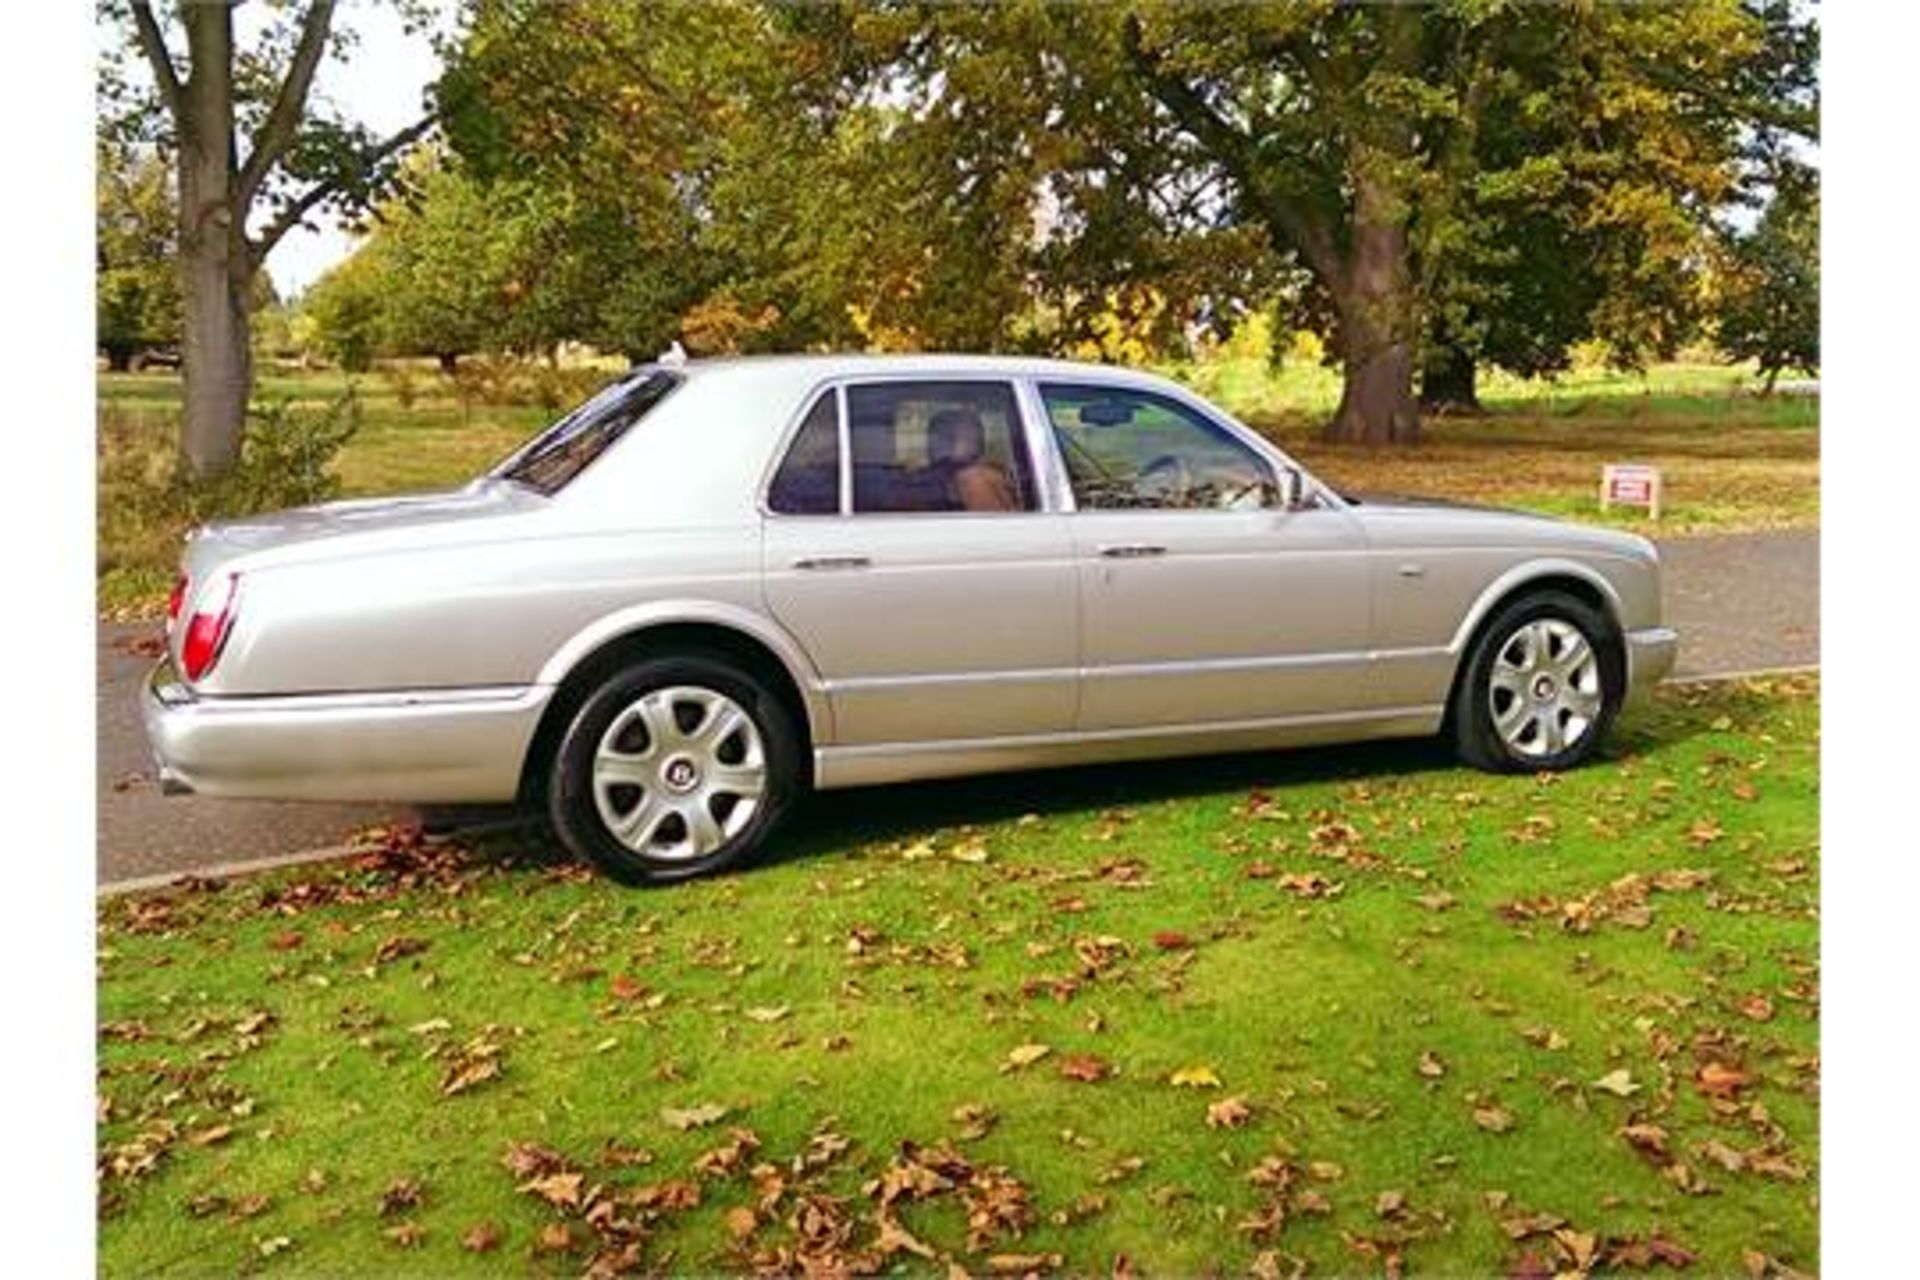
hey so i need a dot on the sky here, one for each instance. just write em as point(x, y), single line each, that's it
point(378, 85)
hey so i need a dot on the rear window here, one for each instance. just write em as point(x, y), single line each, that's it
point(553, 458)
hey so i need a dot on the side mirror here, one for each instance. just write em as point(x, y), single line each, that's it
point(1293, 488)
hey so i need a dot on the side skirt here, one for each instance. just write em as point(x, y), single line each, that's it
point(869, 764)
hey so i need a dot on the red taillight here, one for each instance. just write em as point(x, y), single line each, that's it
point(177, 598)
point(207, 631)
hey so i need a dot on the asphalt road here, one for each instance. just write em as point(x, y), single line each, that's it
point(1742, 602)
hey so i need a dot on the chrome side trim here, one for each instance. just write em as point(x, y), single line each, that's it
point(383, 700)
point(1135, 670)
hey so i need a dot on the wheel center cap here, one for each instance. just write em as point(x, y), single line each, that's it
point(1543, 688)
point(680, 774)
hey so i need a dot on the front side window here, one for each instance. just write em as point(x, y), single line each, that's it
point(937, 446)
point(561, 452)
point(808, 481)
point(1130, 449)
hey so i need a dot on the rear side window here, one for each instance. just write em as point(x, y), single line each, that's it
point(808, 482)
point(937, 446)
point(553, 458)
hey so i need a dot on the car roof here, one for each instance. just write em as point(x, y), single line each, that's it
point(828, 365)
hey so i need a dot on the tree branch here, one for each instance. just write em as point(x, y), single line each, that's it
point(276, 132)
point(1296, 226)
point(154, 45)
point(318, 194)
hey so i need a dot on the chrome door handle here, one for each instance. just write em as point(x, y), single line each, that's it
point(1132, 551)
point(832, 562)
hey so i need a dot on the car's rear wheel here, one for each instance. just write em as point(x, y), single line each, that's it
point(673, 768)
point(1541, 686)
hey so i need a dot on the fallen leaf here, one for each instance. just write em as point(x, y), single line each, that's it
point(696, 1117)
point(1431, 1066)
point(467, 1072)
point(1228, 1113)
point(1493, 1119)
point(1618, 1082)
point(406, 1235)
point(482, 1237)
point(1195, 1077)
point(562, 1190)
point(1085, 1068)
point(1025, 1056)
point(769, 1013)
point(1719, 1080)
point(401, 1194)
point(1171, 941)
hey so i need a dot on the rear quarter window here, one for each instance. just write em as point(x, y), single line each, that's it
point(551, 460)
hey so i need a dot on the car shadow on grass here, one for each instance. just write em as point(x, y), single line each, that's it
point(833, 821)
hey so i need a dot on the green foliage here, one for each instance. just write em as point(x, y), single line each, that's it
point(1769, 305)
point(345, 308)
point(136, 284)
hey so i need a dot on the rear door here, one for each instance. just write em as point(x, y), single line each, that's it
point(908, 548)
point(1204, 600)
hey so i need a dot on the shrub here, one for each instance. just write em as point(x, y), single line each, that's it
point(147, 503)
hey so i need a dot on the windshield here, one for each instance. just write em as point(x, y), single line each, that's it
point(554, 457)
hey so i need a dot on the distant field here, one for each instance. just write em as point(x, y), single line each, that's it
point(1732, 460)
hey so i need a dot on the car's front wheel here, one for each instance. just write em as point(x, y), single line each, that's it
point(673, 768)
point(1541, 687)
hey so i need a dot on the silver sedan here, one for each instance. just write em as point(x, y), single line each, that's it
point(719, 584)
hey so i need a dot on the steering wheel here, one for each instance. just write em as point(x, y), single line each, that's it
point(1168, 477)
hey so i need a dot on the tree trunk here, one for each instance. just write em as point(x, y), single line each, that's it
point(449, 362)
point(216, 266)
point(1447, 384)
point(119, 358)
point(1773, 376)
point(1378, 320)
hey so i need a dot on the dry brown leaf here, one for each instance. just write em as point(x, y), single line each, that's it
point(1229, 1113)
point(1085, 1067)
point(481, 1237)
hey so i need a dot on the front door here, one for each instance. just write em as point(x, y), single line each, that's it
point(907, 549)
point(1203, 600)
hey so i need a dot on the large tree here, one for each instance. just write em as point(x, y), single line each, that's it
point(1396, 154)
point(253, 160)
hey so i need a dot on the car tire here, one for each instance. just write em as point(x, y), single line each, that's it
point(1542, 684)
point(651, 776)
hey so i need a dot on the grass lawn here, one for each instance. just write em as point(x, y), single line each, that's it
point(1732, 461)
point(1339, 1009)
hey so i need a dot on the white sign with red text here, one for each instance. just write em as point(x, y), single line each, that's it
point(1630, 484)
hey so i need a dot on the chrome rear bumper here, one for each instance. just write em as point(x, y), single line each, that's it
point(439, 745)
